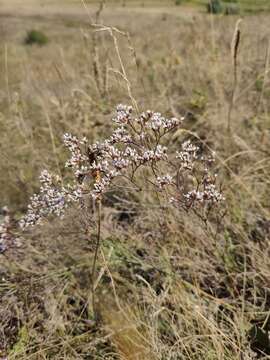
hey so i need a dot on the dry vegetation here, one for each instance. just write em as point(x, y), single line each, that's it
point(170, 287)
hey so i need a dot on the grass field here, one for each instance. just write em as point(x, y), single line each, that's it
point(168, 285)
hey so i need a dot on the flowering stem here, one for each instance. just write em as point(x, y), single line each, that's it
point(95, 258)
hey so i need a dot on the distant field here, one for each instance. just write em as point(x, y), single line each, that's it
point(248, 5)
point(245, 5)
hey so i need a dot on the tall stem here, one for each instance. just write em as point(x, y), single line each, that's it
point(95, 259)
point(234, 49)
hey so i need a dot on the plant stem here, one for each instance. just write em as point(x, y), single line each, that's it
point(95, 258)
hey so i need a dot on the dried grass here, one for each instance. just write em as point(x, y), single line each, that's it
point(169, 288)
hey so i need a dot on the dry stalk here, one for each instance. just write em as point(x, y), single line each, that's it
point(266, 70)
point(96, 64)
point(97, 68)
point(7, 75)
point(99, 10)
point(106, 79)
point(112, 31)
point(137, 63)
point(234, 53)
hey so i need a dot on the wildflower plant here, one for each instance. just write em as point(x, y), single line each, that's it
point(135, 145)
point(134, 157)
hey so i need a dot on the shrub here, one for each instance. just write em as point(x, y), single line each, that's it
point(214, 7)
point(178, 2)
point(36, 37)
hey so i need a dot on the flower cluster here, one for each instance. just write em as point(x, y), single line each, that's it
point(51, 199)
point(158, 122)
point(210, 193)
point(188, 155)
point(137, 142)
point(205, 193)
point(123, 114)
point(77, 156)
point(164, 180)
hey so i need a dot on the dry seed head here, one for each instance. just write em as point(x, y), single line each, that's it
point(236, 40)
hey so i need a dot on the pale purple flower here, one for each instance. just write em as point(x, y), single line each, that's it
point(120, 135)
point(164, 180)
point(188, 155)
point(123, 114)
